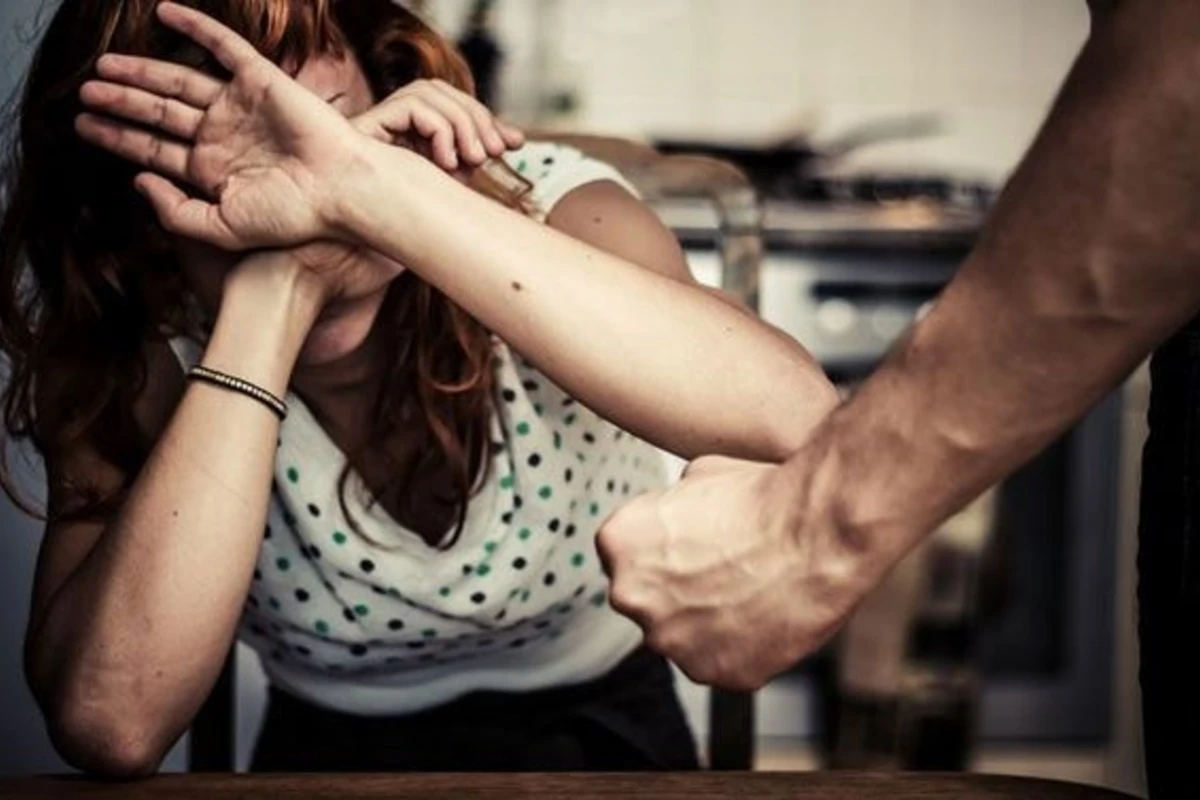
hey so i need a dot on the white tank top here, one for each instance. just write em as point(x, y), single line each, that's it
point(517, 603)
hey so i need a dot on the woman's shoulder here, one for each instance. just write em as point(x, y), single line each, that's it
point(554, 170)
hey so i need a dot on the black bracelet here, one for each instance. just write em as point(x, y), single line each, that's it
point(235, 384)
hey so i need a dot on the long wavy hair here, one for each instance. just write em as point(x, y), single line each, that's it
point(88, 277)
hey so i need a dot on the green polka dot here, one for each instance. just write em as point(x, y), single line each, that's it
point(569, 419)
point(545, 492)
point(514, 594)
point(524, 595)
point(489, 547)
point(444, 591)
point(578, 560)
point(283, 564)
point(594, 509)
point(322, 627)
point(523, 429)
point(565, 608)
point(293, 474)
point(521, 167)
point(273, 603)
point(361, 610)
point(524, 534)
point(506, 482)
point(429, 633)
point(339, 537)
point(483, 570)
point(557, 440)
point(537, 409)
point(599, 598)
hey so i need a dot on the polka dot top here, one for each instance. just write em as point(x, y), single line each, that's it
point(388, 625)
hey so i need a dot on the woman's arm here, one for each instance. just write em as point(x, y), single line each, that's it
point(665, 359)
point(610, 313)
point(132, 618)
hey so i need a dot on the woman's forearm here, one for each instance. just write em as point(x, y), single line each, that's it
point(667, 361)
point(129, 646)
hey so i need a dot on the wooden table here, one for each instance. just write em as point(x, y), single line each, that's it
point(798, 786)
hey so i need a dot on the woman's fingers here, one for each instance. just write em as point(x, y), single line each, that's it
point(234, 52)
point(431, 124)
point(141, 147)
point(514, 137)
point(183, 215)
point(167, 114)
point(484, 122)
point(472, 139)
point(161, 77)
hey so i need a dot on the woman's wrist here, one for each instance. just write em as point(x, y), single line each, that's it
point(268, 307)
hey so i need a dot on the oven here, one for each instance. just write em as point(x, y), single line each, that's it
point(847, 285)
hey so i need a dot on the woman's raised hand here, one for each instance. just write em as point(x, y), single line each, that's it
point(261, 151)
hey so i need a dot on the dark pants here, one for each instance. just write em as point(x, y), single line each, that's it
point(1169, 570)
point(628, 720)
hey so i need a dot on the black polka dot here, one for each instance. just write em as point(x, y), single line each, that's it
point(619, 435)
point(579, 592)
point(302, 650)
point(535, 460)
point(549, 579)
point(467, 569)
point(288, 519)
point(517, 643)
point(612, 486)
point(509, 395)
point(624, 488)
point(314, 552)
point(517, 501)
point(379, 590)
point(312, 509)
point(569, 475)
point(589, 438)
point(258, 574)
point(478, 598)
point(395, 624)
point(348, 613)
point(302, 595)
point(257, 631)
point(519, 563)
point(569, 532)
point(416, 645)
point(502, 614)
point(548, 160)
point(276, 655)
point(541, 625)
point(506, 517)
point(530, 386)
point(554, 525)
point(366, 565)
point(267, 532)
point(358, 650)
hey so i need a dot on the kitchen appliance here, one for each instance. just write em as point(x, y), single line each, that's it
point(846, 274)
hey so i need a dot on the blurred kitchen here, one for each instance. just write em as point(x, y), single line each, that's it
point(875, 135)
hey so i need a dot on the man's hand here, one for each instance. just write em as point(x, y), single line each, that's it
point(738, 571)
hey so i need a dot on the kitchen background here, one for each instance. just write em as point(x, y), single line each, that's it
point(970, 80)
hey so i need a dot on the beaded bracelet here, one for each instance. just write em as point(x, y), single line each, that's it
point(234, 384)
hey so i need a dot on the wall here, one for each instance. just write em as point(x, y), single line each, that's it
point(989, 68)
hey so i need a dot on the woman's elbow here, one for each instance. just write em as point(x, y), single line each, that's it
point(801, 402)
point(112, 743)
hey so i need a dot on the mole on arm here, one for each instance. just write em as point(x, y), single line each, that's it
point(516, 286)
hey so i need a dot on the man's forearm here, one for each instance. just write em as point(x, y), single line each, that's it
point(1091, 257)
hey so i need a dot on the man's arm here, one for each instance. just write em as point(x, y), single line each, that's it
point(1091, 257)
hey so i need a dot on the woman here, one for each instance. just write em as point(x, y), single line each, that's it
point(411, 551)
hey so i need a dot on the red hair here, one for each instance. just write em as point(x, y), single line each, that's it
point(88, 277)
